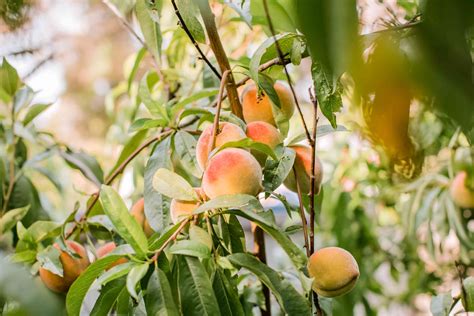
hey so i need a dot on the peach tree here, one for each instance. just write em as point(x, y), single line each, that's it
point(209, 143)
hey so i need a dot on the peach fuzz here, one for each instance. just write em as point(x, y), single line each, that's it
point(460, 193)
point(72, 268)
point(303, 171)
point(265, 133)
point(180, 208)
point(335, 271)
point(227, 132)
point(256, 106)
point(232, 171)
point(138, 211)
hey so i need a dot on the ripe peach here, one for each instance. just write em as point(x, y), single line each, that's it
point(303, 171)
point(72, 268)
point(105, 250)
point(232, 171)
point(334, 270)
point(258, 107)
point(180, 208)
point(460, 193)
point(265, 133)
point(228, 132)
point(138, 211)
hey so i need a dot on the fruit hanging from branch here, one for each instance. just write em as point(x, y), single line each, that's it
point(302, 166)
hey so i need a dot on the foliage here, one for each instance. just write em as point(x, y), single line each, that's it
point(386, 205)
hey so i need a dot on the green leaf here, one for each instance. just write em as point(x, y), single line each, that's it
point(328, 93)
point(331, 30)
point(159, 299)
point(154, 107)
point(17, 285)
point(80, 287)
point(134, 276)
point(185, 149)
point(296, 255)
point(138, 59)
point(289, 299)
point(86, 164)
point(281, 20)
point(441, 304)
point(191, 248)
point(276, 171)
point(107, 298)
point(150, 27)
point(22, 98)
point(321, 131)
point(189, 12)
point(201, 94)
point(226, 201)
point(34, 111)
point(195, 289)
point(126, 226)
point(226, 294)
point(132, 144)
point(198, 234)
point(37, 232)
point(49, 260)
point(156, 204)
point(9, 79)
point(9, 220)
point(115, 272)
point(173, 185)
point(146, 123)
point(247, 143)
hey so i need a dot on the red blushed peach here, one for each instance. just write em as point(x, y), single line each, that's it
point(72, 268)
point(265, 133)
point(105, 250)
point(460, 193)
point(303, 171)
point(180, 208)
point(228, 132)
point(258, 107)
point(232, 171)
point(335, 271)
point(138, 211)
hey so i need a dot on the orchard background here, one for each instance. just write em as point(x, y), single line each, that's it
point(149, 151)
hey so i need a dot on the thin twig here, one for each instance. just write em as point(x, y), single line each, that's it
point(302, 214)
point(221, 57)
point(116, 172)
point(171, 238)
point(312, 192)
point(196, 45)
point(39, 65)
point(215, 129)
point(282, 58)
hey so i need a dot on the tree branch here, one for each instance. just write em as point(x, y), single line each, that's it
point(196, 45)
point(215, 129)
point(221, 57)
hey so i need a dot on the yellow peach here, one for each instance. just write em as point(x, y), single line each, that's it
point(180, 208)
point(138, 211)
point(460, 193)
point(72, 268)
point(303, 171)
point(256, 106)
point(265, 133)
point(232, 171)
point(335, 271)
point(228, 132)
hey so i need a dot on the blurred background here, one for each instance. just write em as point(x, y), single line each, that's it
point(381, 202)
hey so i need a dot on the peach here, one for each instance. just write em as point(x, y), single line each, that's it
point(335, 271)
point(232, 171)
point(180, 208)
point(303, 171)
point(265, 133)
point(257, 106)
point(105, 250)
point(72, 268)
point(138, 211)
point(228, 132)
point(460, 193)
